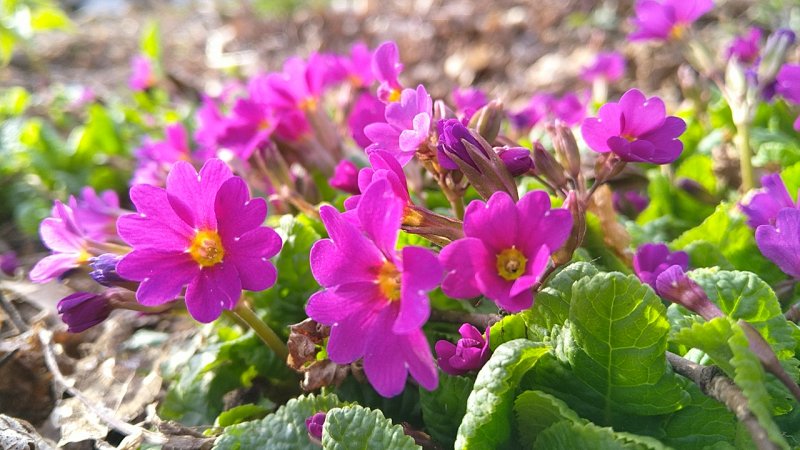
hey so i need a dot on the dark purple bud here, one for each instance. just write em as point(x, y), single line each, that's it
point(774, 53)
point(651, 260)
point(630, 203)
point(104, 269)
point(697, 191)
point(314, 425)
point(9, 263)
point(470, 353)
point(487, 120)
point(345, 177)
point(517, 160)
point(83, 310)
point(673, 285)
point(566, 147)
point(547, 166)
point(451, 134)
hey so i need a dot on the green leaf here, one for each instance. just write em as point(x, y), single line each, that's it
point(620, 330)
point(700, 169)
point(551, 306)
point(734, 239)
point(594, 243)
point(508, 329)
point(536, 411)
point(725, 342)
point(239, 414)
point(49, 18)
point(444, 408)
point(151, 41)
point(570, 435)
point(283, 429)
point(706, 254)
point(700, 424)
point(358, 427)
point(487, 423)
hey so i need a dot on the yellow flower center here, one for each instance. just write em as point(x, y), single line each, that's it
point(264, 125)
point(206, 248)
point(677, 31)
point(511, 264)
point(394, 96)
point(389, 281)
point(308, 104)
point(628, 137)
point(83, 256)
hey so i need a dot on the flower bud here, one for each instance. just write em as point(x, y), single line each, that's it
point(442, 112)
point(547, 166)
point(566, 147)
point(517, 160)
point(735, 80)
point(345, 177)
point(673, 285)
point(314, 425)
point(774, 55)
point(608, 166)
point(578, 211)
point(83, 310)
point(104, 269)
point(9, 263)
point(696, 190)
point(487, 120)
point(470, 353)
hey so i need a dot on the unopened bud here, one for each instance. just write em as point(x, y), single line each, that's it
point(697, 191)
point(774, 55)
point(547, 166)
point(608, 166)
point(83, 310)
point(578, 210)
point(104, 269)
point(735, 80)
point(673, 285)
point(314, 426)
point(518, 160)
point(487, 120)
point(566, 147)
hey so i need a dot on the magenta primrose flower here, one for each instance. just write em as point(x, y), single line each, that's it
point(345, 177)
point(762, 206)
point(570, 109)
point(745, 48)
point(666, 19)
point(636, 129)
point(203, 231)
point(386, 67)
point(470, 353)
point(66, 239)
point(407, 126)
point(788, 86)
point(142, 75)
point(383, 167)
point(367, 109)
point(357, 67)
point(96, 214)
point(609, 66)
point(651, 260)
point(780, 242)
point(375, 298)
point(156, 157)
point(506, 249)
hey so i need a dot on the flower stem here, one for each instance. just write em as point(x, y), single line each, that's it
point(742, 141)
point(248, 316)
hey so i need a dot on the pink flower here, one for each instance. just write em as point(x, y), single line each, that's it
point(374, 297)
point(762, 206)
point(780, 242)
point(745, 48)
point(636, 129)
point(366, 110)
point(203, 231)
point(609, 66)
point(61, 234)
point(383, 166)
point(211, 126)
point(666, 19)
point(506, 249)
point(569, 108)
point(386, 67)
point(788, 85)
point(407, 126)
point(96, 214)
point(142, 76)
point(156, 157)
point(345, 177)
point(652, 259)
point(358, 67)
point(470, 353)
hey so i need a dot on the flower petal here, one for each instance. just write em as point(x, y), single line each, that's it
point(236, 212)
point(380, 212)
point(162, 275)
point(461, 260)
point(494, 222)
point(421, 273)
point(52, 266)
point(214, 289)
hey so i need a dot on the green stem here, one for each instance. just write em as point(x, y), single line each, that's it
point(742, 141)
point(243, 312)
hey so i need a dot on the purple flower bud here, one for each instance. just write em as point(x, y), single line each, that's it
point(651, 260)
point(547, 166)
point(774, 55)
point(745, 48)
point(673, 285)
point(451, 134)
point(104, 269)
point(517, 160)
point(630, 203)
point(83, 310)
point(487, 120)
point(345, 177)
point(314, 425)
point(8, 263)
point(470, 353)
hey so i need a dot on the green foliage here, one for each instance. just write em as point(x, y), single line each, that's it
point(620, 332)
point(487, 423)
point(702, 423)
point(536, 411)
point(239, 414)
point(283, 429)
point(358, 427)
point(570, 435)
point(551, 307)
point(444, 408)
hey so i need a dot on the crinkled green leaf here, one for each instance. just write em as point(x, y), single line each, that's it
point(400, 408)
point(239, 414)
point(507, 329)
point(536, 411)
point(285, 429)
point(487, 423)
point(356, 427)
point(443, 409)
point(725, 342)
point(568, 435)
point(620, 331)
point(706, 254)
point(702, 423)
point(734, 239)
point(551, 306)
